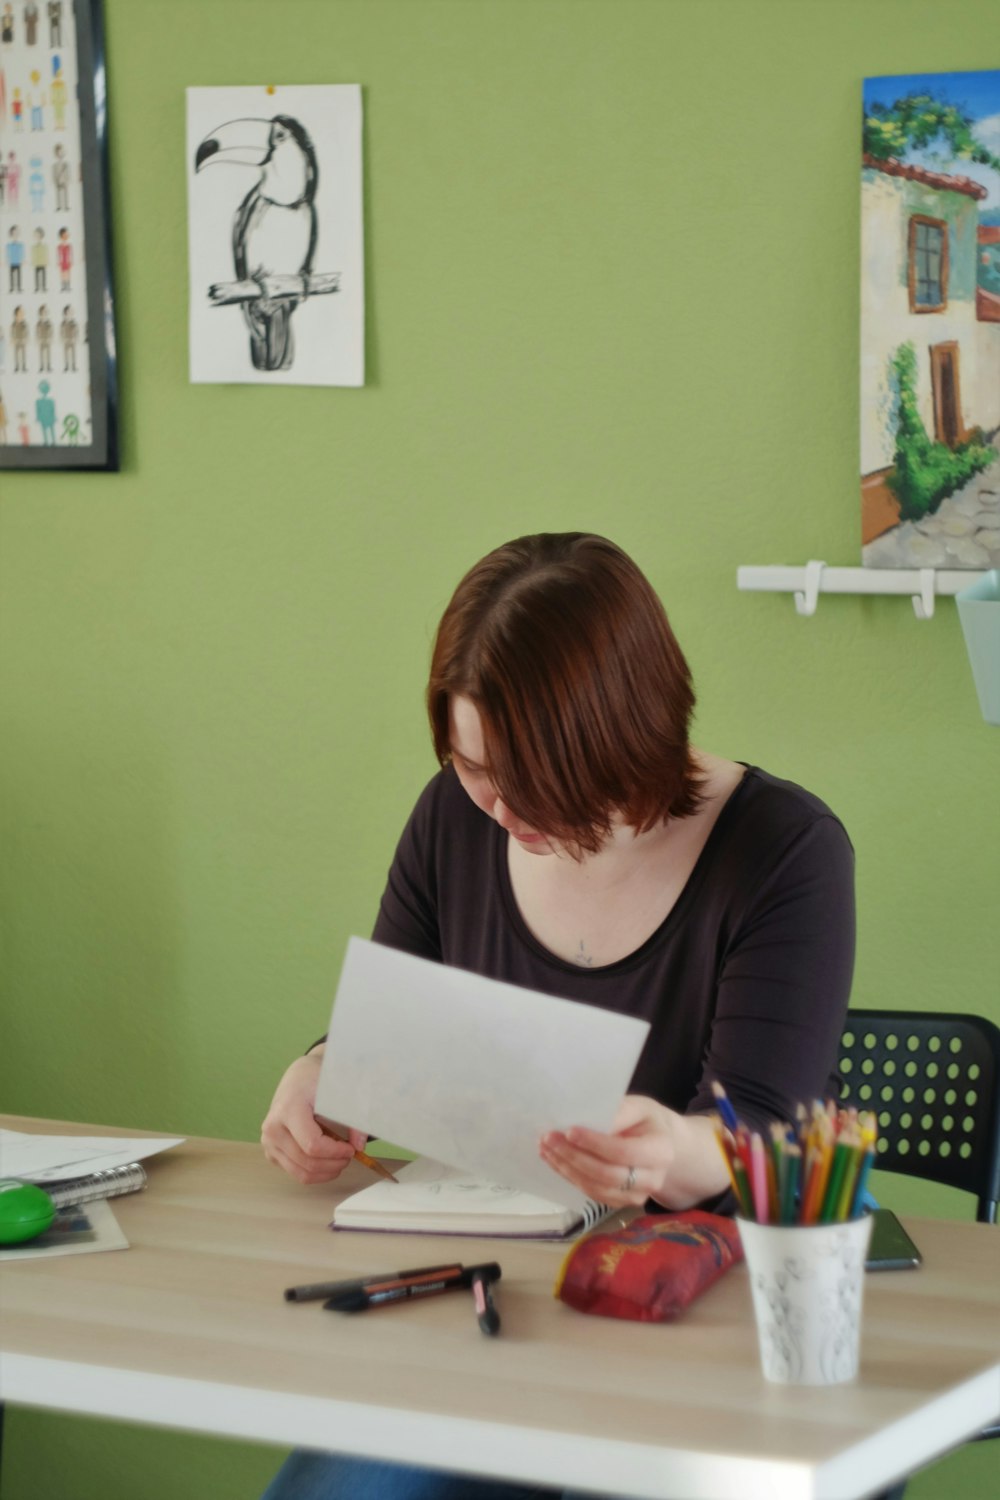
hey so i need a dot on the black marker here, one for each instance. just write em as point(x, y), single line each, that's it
point(319, 1289)
point(489, 1318)
point(372, 1291)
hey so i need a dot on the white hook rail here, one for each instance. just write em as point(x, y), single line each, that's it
point(807, 583)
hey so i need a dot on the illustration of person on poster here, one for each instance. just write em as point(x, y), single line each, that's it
point(40, 259)
point(64, 255)
point(36, 185)
point(19, 340)
point(69, 331)
point(45, 414)
point(13, 180)
point(36, 103)
point(60, 179)
point(15, 258)
point(43, 338)
point(57, 93)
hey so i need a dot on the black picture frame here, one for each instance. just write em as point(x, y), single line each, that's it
point(92, 443)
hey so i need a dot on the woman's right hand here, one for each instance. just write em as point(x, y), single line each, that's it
point(292, 1138)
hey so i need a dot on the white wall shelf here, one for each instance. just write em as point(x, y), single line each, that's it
point(923, 585)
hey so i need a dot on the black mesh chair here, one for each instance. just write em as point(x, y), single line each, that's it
point(933, 1080)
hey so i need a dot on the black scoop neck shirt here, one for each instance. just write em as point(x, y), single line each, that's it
point(745, 981)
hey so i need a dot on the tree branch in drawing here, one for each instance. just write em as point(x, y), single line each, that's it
point(318, 284)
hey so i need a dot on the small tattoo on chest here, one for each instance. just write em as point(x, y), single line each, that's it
point(581, 956)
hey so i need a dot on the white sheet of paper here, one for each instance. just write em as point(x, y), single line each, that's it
point(468, 1070)
point(55, 1158)
point(274, 179)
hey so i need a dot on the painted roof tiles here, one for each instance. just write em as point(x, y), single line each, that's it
point(945, 182)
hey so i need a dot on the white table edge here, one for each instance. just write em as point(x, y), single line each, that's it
point(598, 1465)
point(924, 1435)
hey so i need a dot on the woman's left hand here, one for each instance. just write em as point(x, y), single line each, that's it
point(637, 1161)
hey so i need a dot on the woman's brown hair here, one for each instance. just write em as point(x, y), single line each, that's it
point(583, 693)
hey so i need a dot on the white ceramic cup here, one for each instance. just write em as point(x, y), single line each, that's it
point(807, 1283)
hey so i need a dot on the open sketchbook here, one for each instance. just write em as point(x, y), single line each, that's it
point(429, 1198)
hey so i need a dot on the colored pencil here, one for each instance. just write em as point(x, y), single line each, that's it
point(737, 1171)
point(793, 1161)
point(834, 1182)
point(813, 1172)
point(725, 1108)
point(758, 1178)
point(743, 1191)
point(858, 1202)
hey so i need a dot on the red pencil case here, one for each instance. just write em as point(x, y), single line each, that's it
point(652, 1269)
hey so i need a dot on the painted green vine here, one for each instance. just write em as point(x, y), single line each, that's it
point(925, 472)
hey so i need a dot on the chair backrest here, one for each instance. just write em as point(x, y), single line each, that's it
point(933, 1080)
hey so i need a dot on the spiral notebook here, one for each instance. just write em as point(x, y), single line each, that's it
point(429, 1198)
point(110, 1183)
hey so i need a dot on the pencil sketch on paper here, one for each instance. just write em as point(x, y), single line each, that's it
point(274, 239)
point(274, 231)
point(930, 321)
point(460, 1190)
point(468, 1188)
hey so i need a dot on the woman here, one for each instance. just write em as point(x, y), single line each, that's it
point(574, 842)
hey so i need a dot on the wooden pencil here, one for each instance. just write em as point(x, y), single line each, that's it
point(371, 1162)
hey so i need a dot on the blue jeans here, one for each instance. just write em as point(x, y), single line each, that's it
point(327, 1476)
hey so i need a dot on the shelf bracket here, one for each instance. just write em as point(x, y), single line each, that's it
point(923, 603)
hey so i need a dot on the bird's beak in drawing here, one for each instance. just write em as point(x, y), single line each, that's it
point(245, 142)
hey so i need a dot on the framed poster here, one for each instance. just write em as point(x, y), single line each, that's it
point(58, 364)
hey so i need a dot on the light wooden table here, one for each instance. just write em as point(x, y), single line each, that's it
point(189, 1329)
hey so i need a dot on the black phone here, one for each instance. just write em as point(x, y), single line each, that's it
point(890, 1247)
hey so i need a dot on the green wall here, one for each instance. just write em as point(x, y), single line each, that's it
point(612, 261)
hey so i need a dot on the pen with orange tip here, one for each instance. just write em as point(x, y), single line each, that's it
point(371, 1162)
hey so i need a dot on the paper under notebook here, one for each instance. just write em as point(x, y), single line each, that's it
point(429, 1198)
point(77, 1230)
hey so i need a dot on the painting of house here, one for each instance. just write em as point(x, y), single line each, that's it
point(930, 321)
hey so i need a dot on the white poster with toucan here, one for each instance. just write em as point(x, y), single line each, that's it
point(275, 235)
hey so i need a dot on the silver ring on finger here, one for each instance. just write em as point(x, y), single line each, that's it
point(629, 1182)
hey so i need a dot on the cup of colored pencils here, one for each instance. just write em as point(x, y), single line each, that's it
point(800, 1194)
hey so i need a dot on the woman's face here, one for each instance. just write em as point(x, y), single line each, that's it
point(468, 756)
